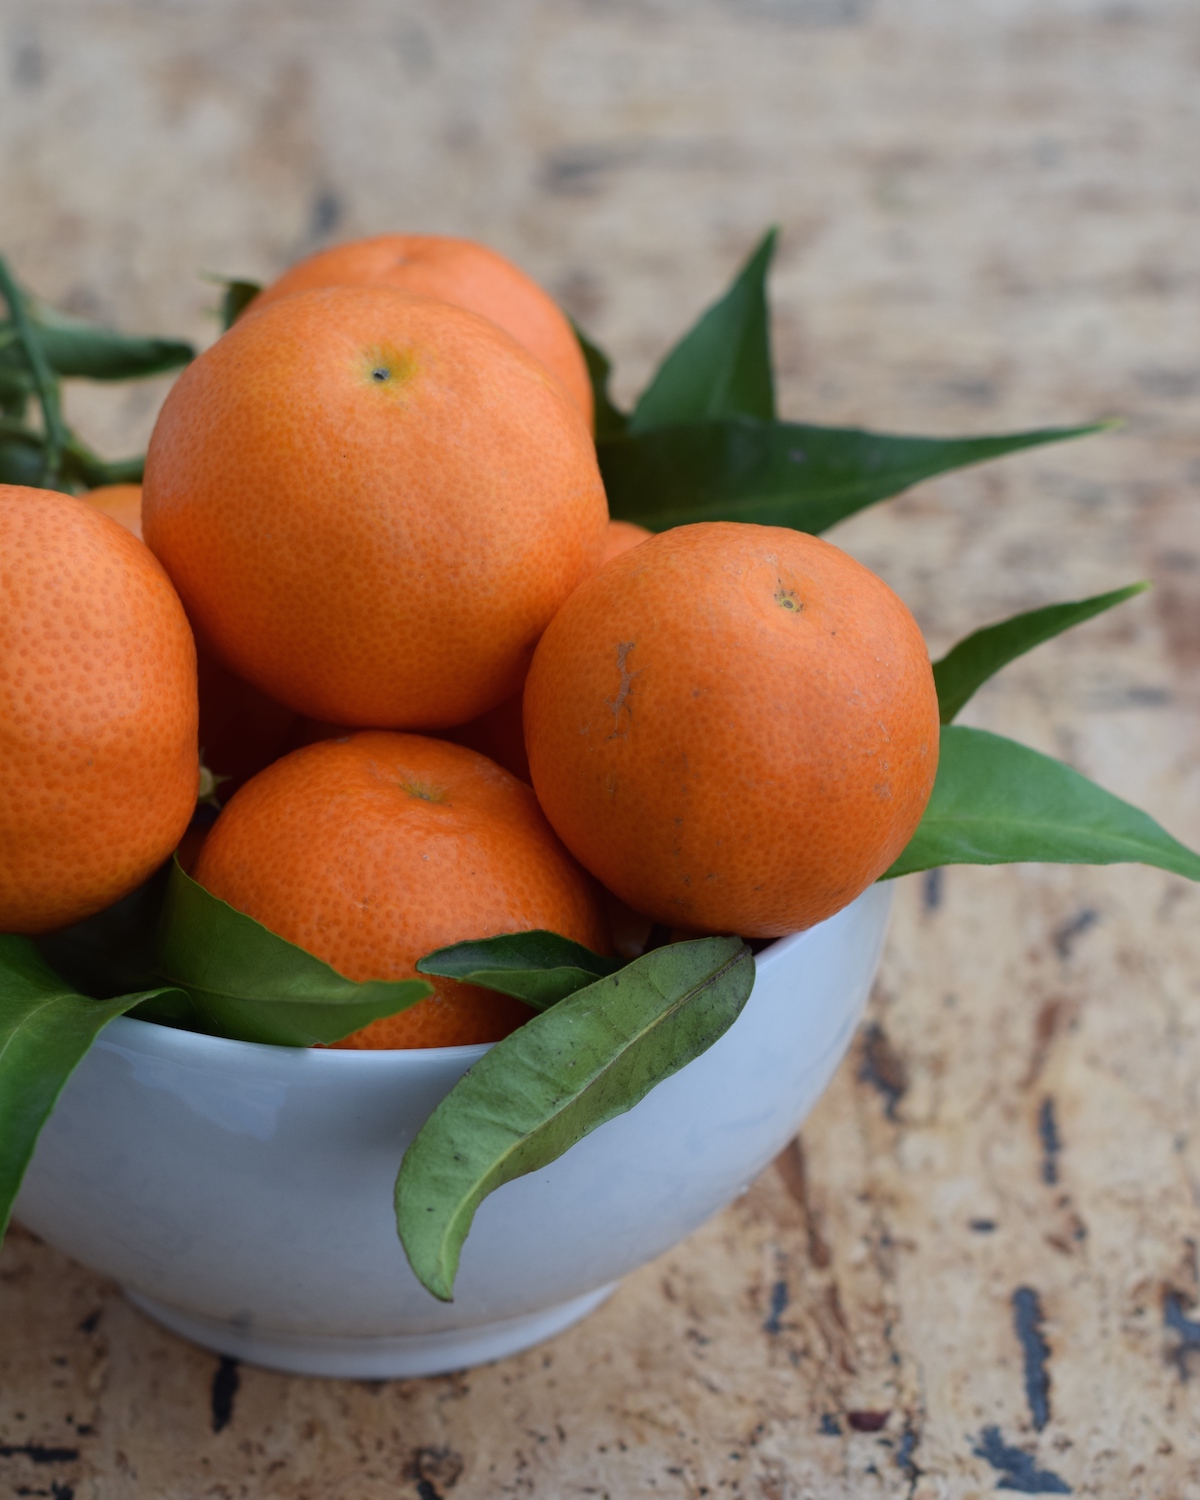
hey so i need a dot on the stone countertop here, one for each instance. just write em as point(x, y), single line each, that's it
point(977, 1271)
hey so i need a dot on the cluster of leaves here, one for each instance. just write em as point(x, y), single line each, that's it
point(702, 443)
point(39, 348)
point(604, 1034)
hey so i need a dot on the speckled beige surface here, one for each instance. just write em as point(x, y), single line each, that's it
point(989, 215)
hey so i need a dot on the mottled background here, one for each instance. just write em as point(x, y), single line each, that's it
point(990, 216)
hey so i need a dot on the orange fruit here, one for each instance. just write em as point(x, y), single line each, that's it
point(500, 733)
point(372, 504)
point(373, 850)
point(457, 271)
point(97, 711)
point(123, 502)
point(621, 536)
point(733, 727)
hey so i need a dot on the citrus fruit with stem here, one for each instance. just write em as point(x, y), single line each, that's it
point(733, 727)
point(453, 270)
point(97, 711)
point(372, 850)
point(372, 504)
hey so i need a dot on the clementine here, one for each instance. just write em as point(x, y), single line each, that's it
point(97, 711)
point(373, 850)
point(372, 504)
point(123, 502)
point(451, 270)
point(621, 536)
point(733, 727)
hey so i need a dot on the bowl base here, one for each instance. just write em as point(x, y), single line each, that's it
point(370, 1358)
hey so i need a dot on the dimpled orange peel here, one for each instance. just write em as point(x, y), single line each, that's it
point(372, 850)
point(372, 504)
point(733, 727)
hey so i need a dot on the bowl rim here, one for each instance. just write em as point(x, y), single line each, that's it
point(174, 1044)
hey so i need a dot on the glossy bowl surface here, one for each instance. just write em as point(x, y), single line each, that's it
point(242, 1194)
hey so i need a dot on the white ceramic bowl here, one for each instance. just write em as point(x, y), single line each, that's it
point(242, 1194)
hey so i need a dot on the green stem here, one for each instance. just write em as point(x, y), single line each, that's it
point(45, 384)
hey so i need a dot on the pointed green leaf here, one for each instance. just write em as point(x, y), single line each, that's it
point(46, 1027)
point(16, 387)
point(996, 802)
point(540, 968)
point(24, 348)
point(85, 469)
point(967, 666)
point(610, 422)
point(722, 366)
point(782, 473)
point(250, 985)
point(555, 1079)
point(21, 461)
point(237, 297)
point(75, 348)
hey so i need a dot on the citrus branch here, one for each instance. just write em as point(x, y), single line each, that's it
point(45, 384)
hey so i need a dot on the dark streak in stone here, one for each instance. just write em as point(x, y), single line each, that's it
point(1047, 1125)
point(982, 1226)
point(1051, 1017)
point(1064, 937)
point(1016, 1468)
point(931, 889)
point(830, 1426)
point(905, 1449)
point(883, 1068)
point(226, 1381)
point(37, 1453)
point(792, 1166)
point(90, 1323)
point(1027, 1324)
point(1187, 1328)
point(779, 1302)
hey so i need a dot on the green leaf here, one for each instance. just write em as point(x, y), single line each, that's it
point(76, 348)
point(84, 468)
point(610, 422)
point(967, 666)
point(21, 461)
point(22, 453)
point(46, 1027)
point(16, 387)
point(554, 1080)
point(250, 985)
point(722, 366)
point(237, 297)
point(24, 347)
point(996, 802)
point(782, 473)
point(540, 968)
